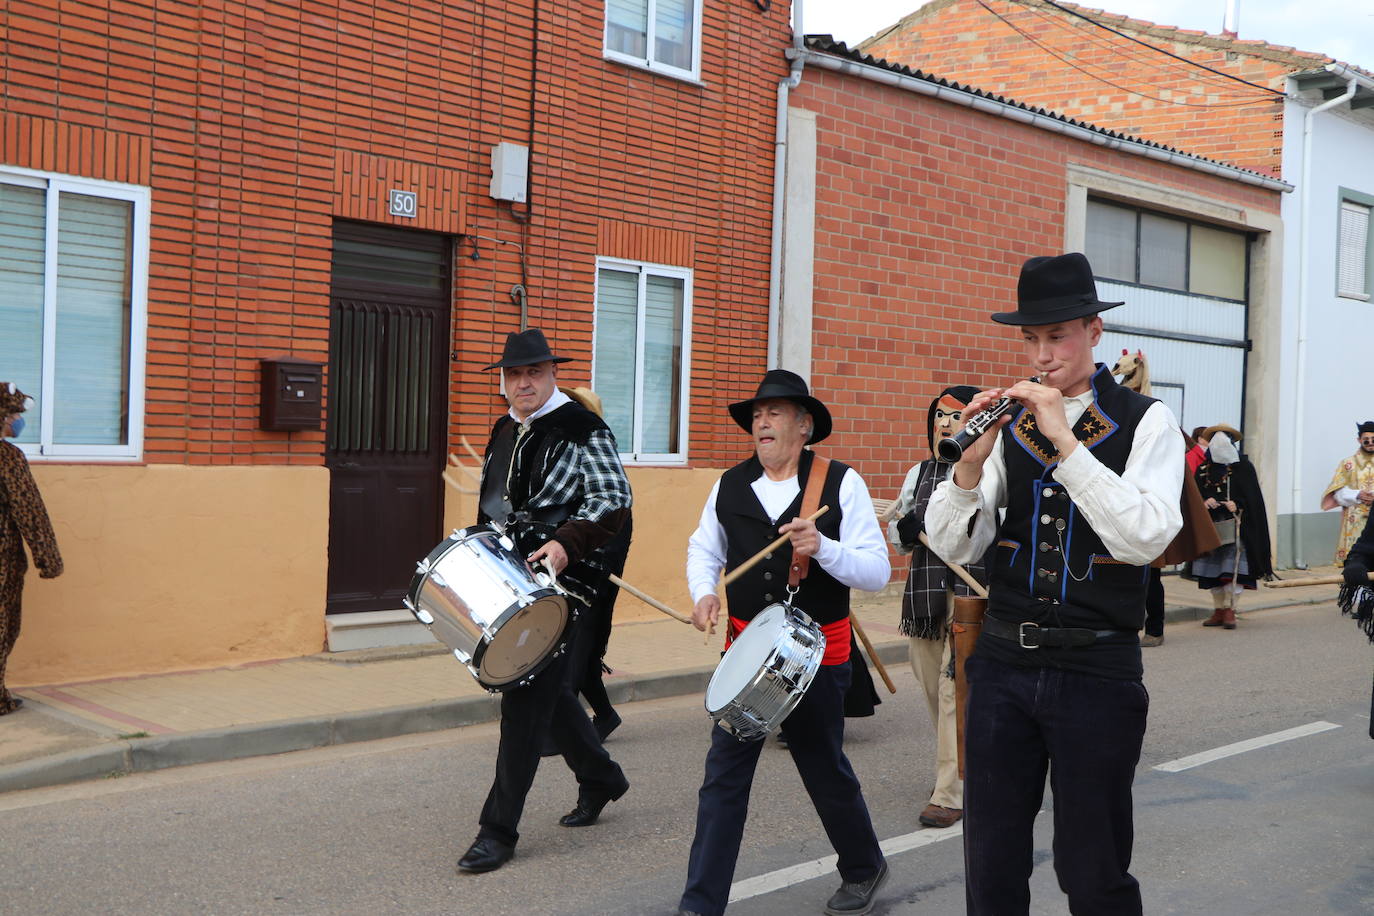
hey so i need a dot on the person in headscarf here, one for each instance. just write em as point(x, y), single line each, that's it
point(926, 604)
point(22, 518)
point(1352, 490)
point(1230, 489)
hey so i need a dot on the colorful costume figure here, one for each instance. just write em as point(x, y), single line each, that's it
point(1230, 488)
point(22, 518)
point(927, 603)
point(1352, 489)
point(1357, 594)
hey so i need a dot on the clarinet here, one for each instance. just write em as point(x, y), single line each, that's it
point(952, 449)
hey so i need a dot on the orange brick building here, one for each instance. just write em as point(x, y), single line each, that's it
point(313, 181)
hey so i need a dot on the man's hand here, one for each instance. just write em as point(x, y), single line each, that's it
point(556, 554)
point(1230, 506)
point(806, 540)
point(909, 528)
point(1355, 573)
point(706, 613)
point(1048, 406)
point(1366, 497)
point(1210, 503)
point(969, 468)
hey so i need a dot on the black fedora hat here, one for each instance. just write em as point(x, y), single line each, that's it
point(1055, 289)
point(525, 349)
point(779, 383)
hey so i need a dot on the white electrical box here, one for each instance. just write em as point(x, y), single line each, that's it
point(510, 171)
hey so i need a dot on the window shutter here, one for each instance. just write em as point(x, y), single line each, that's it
point(22, 228)
point(662, 363)
point(1353, 253)
point(617, 301)
point(91, 391)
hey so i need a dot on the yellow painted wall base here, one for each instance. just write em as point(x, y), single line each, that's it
point(172, 568)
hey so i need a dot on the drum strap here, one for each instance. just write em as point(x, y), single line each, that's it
point(811, 501)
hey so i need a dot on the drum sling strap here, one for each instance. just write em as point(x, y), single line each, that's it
point(811, 501)
point(495, 500)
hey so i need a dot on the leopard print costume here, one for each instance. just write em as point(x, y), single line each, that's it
point(22, 518)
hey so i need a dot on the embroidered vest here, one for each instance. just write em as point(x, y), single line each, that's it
point(1048, 565)
point(748, 529)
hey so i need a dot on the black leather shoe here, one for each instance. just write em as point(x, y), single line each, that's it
point(589, 808)
point(485, 854)
point(606, 724)
point(687, 913)
point(854, 898)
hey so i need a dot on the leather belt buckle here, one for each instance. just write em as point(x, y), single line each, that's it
point(1023, 632)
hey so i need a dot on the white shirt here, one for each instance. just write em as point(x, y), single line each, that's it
point(1136, 513)
point(555, 401)
point(857, 560)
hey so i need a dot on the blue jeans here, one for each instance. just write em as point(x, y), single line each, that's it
point(1086, 732)
point(815, 736)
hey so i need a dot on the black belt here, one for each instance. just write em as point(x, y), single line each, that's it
point(1029, 635)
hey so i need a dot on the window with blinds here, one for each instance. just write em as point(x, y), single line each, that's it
point(1166, 252)
point(73, 283)
point(662, 35)
point(1353, 252)
point(640, 357)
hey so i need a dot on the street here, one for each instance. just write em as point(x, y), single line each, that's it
point(1281, 828)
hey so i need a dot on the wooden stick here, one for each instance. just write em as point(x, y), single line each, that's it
point(467, 446)
point(957, 570)
point(455, 463)
point(756, 558)
point(657, 605)
point(873, 656)
point(1311, 580)
point(455, 484)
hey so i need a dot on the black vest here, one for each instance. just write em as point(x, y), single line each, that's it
point(1048, 565)
point(748, 529)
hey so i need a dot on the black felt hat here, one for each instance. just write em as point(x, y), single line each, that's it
point(1055, 289)
point(525, 349)
point(779, 383)
point(1366, 427)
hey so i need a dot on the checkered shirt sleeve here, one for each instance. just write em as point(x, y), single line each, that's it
point(591, 472)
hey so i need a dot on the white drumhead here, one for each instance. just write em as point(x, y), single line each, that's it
point(745, 657)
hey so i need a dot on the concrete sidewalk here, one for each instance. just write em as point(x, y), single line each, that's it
point(70, 732)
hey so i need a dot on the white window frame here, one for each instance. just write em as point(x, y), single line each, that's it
point(643, 270)
point(692, 75)
point(1355, 202)
point(140, 197)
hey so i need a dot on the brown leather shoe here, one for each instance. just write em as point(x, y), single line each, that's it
point(1217, 619)
point(1228, 621)
point(940, 816)
point(1148, 641)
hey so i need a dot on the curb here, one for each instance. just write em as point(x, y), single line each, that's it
point(126, 756)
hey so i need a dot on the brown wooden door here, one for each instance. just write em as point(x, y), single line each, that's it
point(388, 336)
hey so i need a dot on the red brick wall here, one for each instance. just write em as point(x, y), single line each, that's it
point(925, 211)
point(257, 127)
point(1044, 57)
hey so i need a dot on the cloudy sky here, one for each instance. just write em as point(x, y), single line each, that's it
point(1343, 29)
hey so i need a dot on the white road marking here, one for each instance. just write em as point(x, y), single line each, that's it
point(1240, 747)
point(795, 874)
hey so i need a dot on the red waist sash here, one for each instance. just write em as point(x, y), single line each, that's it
point(837, 639)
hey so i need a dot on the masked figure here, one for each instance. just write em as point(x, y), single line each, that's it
point(1352, 489)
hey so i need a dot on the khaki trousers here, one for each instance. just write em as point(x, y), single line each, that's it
point(929, 661)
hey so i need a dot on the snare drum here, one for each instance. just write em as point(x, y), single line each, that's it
point(480, 598)
point(765, 672)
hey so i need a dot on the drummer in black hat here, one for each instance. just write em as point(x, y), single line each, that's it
point(748, 508)
point(1089, 474)
point(552, 479)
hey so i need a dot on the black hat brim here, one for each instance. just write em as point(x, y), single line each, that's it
point(527, 361)
point(743, 413)
point(1054, 316)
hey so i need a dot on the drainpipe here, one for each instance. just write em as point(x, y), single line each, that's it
point(785, 86)
point(1300, 386)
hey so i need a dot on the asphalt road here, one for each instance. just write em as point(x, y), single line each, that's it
point(375, 828)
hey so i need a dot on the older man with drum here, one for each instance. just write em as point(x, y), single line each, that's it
point(843, 548)
point(552, 478)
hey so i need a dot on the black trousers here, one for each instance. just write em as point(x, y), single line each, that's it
point(547, 705)
point(1087, 732)
point(1154, 604)
point(815, 738)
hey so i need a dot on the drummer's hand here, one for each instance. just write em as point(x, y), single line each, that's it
point(556, 554)
point(806, 540)
point(706, 613)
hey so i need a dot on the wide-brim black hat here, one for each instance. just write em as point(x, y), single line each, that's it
point(779, 383)
point(526, 348)
point(1055, 289)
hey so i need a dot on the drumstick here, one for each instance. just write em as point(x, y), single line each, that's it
point(868, 646)
point(756, 558)
point(658, 605)
point(454, 462)
point(455, 484)
point(957, 570)
point(470, 450)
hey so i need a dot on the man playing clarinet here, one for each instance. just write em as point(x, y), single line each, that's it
point(1089, 474)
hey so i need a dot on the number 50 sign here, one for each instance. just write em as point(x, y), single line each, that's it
point(402, 203)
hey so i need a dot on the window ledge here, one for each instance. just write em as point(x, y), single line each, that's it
point(634, 63)
point(1362, 297)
